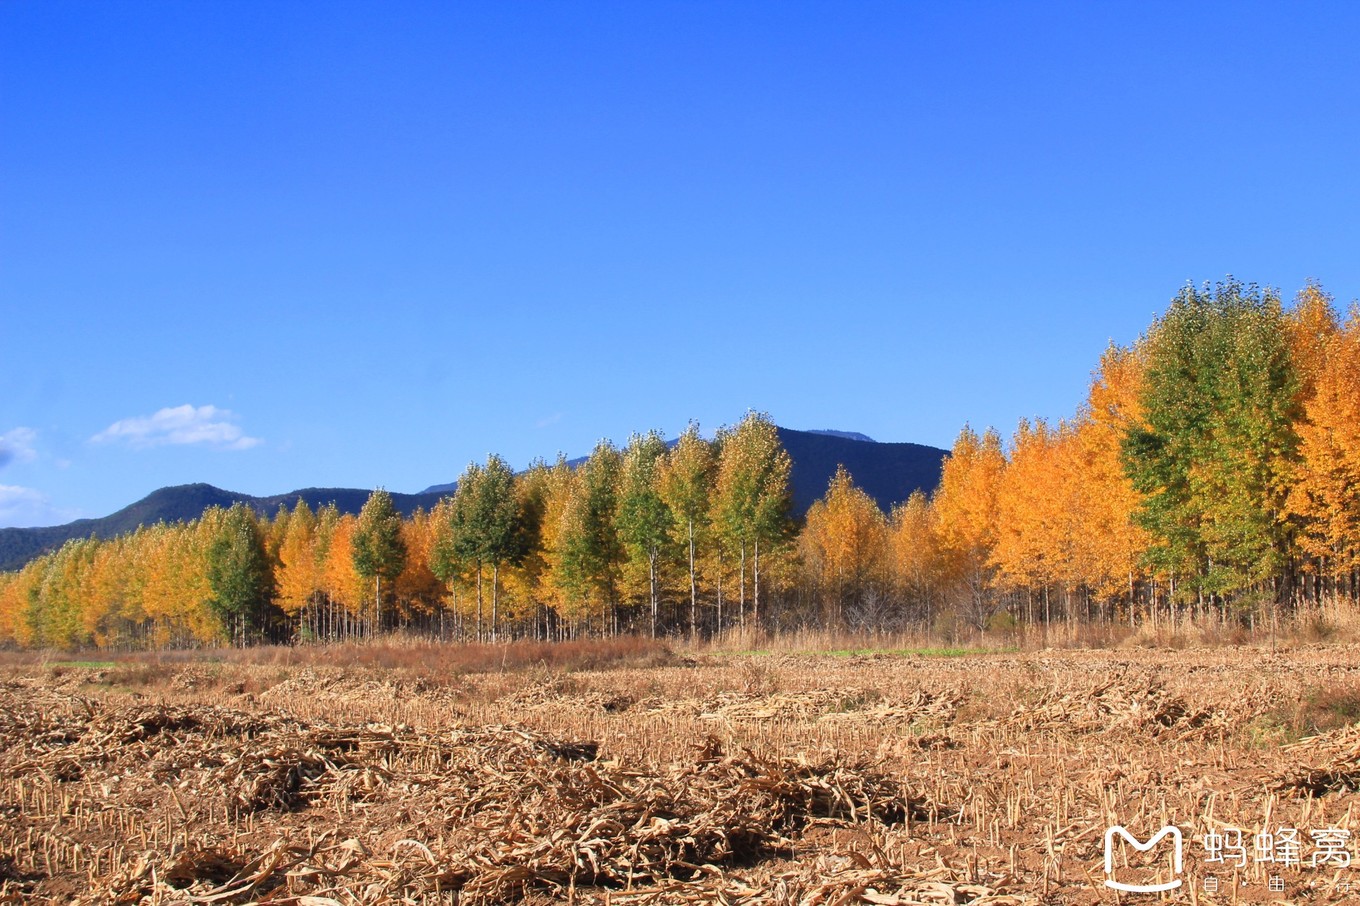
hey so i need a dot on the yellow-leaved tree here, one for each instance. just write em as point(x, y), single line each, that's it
point(845, 553)
point(299, 573)
point(1325, 497)
point(966, 513)
point(1111, 542)
point(418, 590)
point(914, 545)
point(1032, 549)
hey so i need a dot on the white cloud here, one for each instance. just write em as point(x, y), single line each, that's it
point(27, 507)
point(179, 425)
point(17, 446)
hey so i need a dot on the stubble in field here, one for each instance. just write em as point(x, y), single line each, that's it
point(987, 779)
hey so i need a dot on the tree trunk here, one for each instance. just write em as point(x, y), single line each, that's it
point(1132, 599)
point(651, 577)
point(741, 575)
point(693, 589)
point(718, 630)
point(495, 599)
point(755, 597)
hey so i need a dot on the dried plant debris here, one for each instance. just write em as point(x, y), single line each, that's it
point(809, 782)
point(1327, 763)
point(1125, 700)
point(491, 813)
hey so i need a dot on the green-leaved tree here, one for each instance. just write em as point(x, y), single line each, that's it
point(485, 527)
point(753, 494)
point(687, 489)
point(590, 550)
point(240, 573)
point(1218, 439)
point(379, 550)
point(644, 519)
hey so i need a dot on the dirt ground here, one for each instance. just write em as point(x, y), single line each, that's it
point(888, 778)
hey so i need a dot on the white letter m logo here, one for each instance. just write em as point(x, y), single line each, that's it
point(1169, 831)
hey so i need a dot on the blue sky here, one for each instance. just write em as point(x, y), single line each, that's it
point(276, 245)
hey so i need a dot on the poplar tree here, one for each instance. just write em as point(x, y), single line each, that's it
point(1111, 533)
point(753, 493)
point(965, 506)
point(298, 576)
point(687, 488)
point(914, 549)
point(378, 549)
point(1034, 501)
point(644, 519)
point(845, 543)
point(1217, 443)
point(485, 528)
point(239, 572)
point(1325, 500)
point(591, 552)
point(554, 586)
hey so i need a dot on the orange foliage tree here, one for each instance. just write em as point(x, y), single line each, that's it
point(966, 522)
point(845, 552)
point(1325, 498)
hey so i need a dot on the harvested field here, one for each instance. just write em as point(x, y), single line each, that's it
point(794, 779)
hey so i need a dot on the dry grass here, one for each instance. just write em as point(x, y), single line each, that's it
point(431, 658)
point(782, 778)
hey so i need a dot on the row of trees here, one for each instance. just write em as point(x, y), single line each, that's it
point(1214, 468)
point(651, 538)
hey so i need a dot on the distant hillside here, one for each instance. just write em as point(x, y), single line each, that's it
point(847, 435)
point(181, 503)
point(887, 472)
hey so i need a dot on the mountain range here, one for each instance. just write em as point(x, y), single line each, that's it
point(887, 472)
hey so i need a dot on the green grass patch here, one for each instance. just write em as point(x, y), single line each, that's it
point(1320, 709)
point(84, 665)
